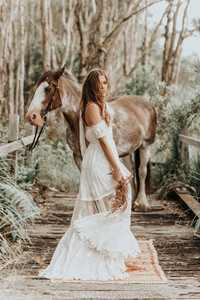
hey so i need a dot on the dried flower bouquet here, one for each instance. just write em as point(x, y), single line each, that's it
point(119, 199)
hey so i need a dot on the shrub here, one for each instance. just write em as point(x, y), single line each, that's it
point(17, 210)
point(51, 163)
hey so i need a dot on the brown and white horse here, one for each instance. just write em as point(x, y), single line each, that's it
point(134, 120)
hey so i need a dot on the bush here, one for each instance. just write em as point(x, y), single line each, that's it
point(51, 163)
point(143, 81)
point(177, 110)
point(17, 210)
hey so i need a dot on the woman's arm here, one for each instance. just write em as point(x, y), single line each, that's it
point(93, 117)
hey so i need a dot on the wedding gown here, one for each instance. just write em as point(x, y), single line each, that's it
point(98, 240)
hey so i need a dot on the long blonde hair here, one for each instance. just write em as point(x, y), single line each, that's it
point(91, 93)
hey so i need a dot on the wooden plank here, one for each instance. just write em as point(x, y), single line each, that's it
point(8, 148)
point(189, 140)
point(13, 133)
point(177, 248)
point(192, 203)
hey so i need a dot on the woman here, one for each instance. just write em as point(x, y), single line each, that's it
point(99, 237)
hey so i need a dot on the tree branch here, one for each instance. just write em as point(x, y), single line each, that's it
point(118, 26)
point(127, 76)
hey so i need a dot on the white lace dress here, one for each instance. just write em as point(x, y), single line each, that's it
point(97, 241)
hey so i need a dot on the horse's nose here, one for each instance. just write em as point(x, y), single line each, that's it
point(34, 117)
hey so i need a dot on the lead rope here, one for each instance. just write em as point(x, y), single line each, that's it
point(35, 141)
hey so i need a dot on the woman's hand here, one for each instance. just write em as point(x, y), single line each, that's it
point(117, 175)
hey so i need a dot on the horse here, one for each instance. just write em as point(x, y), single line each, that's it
point(134, 122)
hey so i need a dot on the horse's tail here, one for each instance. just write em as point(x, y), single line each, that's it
point(148, 179)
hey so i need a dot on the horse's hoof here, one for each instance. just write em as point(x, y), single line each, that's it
point(148, 208)
point(142, 208)
point(137, 208)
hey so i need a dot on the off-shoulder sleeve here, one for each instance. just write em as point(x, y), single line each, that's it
point(100, 129)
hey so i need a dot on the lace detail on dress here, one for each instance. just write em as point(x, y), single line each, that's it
point(97, 241)
point(109, 233)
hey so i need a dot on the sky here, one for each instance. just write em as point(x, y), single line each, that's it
point(191, 45)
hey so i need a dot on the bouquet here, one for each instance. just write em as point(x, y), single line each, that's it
point(120, 198)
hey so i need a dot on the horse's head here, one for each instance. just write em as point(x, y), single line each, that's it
point(47, 96)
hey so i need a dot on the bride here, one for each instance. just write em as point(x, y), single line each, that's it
point(99, 237)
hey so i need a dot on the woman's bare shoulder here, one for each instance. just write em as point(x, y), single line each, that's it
point(92, 107)
point(92, 114)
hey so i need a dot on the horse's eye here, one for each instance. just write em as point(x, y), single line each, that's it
point(47, 88)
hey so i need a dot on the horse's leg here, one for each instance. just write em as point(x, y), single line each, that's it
point(141, 203)
point(128, 162)
point(73, 144)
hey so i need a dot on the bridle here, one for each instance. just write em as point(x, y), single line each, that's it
point(43, 115)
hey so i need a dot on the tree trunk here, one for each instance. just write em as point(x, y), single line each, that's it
point(144, 45)
point(54, 63)
point(46, 31)
point(3, 13)
point(67, 22)
point(22, 69)
point(173, 42)
point(11, 73)
point(17, 90)
point(83, 30)
point(30, 36)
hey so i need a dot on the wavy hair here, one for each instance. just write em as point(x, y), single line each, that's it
point(91, 93)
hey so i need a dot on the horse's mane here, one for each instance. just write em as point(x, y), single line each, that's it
point(110, 99)
point(68, 75)
point(72, 80)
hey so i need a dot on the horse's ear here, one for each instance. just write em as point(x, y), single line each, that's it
point(46, 69)
point(58, 73)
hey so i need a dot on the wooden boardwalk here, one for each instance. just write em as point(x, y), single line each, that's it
point(167, 224)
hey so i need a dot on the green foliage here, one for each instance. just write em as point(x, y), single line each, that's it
point(17, 209)
point(56, 166)
point(143, 81)
point(176, 111)
point(187, 70)
point(194, 175)
point(51, 163)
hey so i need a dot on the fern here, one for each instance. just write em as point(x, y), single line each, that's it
point(17, 212)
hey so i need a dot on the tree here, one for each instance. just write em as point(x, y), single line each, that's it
point(3, 25)
point(46, 30)
point(173, 41)
point(21, 64)
point(108, 30)
point(83, 34)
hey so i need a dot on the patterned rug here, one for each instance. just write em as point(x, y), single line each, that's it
point(143, 269)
